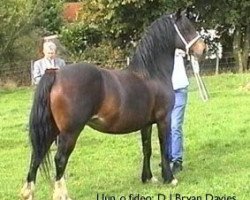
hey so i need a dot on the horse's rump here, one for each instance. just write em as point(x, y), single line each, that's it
point(76, 95)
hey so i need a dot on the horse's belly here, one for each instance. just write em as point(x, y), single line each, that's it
point(118, 125)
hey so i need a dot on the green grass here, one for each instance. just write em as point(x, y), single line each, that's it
point(217, 150)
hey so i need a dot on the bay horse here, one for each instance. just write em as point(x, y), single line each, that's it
point(110, 101)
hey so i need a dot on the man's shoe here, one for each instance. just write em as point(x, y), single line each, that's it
point(177, 167)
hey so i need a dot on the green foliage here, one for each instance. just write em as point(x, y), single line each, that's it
point(122, 21)
point(21, 21)
point(117, 23)
point(225, 15)
point(51, 18)
point(73, 1)
point(16, 18)
point(105, 55)
point(224, 12)
point(77, 37)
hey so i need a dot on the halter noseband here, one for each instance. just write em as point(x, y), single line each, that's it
point(187, 44)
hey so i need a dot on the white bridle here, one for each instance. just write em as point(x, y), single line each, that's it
point(187, 44)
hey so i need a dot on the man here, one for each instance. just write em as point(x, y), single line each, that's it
point(180, 85)
point(47, 62)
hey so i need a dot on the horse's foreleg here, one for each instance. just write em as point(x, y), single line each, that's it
point(164, 129)
point(147, 151)
point(66, 144)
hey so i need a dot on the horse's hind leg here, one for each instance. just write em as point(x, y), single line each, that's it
point(66, 144)
point(27, 192)
point(147, 151)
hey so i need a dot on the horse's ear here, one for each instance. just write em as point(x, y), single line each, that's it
point(178, 14)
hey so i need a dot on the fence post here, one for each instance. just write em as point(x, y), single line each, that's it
point(217, 64)
point(128, 61)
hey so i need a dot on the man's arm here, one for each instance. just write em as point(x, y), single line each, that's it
point(37, 72)
point(59, 63)
point(63, 63)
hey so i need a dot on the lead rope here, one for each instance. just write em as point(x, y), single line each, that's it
point(202, 88)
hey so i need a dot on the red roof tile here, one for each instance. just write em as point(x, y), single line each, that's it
point(71, 10)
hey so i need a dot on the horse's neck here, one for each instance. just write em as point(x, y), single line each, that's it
point(160, 66)
point(165, 65)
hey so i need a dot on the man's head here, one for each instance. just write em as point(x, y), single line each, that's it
point(49, 50)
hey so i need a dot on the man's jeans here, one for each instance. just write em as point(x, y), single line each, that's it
point(177, 117)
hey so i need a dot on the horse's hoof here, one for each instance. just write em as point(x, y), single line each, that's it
point(26, 195)
point(61, 197)
point(174, 182)
point(153, 180)
point(27, 192)
point(60, 191)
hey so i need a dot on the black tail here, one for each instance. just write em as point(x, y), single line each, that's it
point(43, 129)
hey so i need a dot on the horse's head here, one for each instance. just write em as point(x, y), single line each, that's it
point(187, 38)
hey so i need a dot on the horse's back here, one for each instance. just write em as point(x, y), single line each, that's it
point(79, 73)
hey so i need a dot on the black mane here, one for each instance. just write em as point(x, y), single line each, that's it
point(154, 55)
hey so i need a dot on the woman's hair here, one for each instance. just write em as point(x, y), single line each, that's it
point(49, 46)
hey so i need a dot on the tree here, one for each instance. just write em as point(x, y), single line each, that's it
point(51, 18)
point(120, 22)
point(230, 15)
point(16, 18)
point(123, 21)
point(20, 20)
point(79, 36)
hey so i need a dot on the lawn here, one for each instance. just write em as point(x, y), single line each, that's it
point(216, 163)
